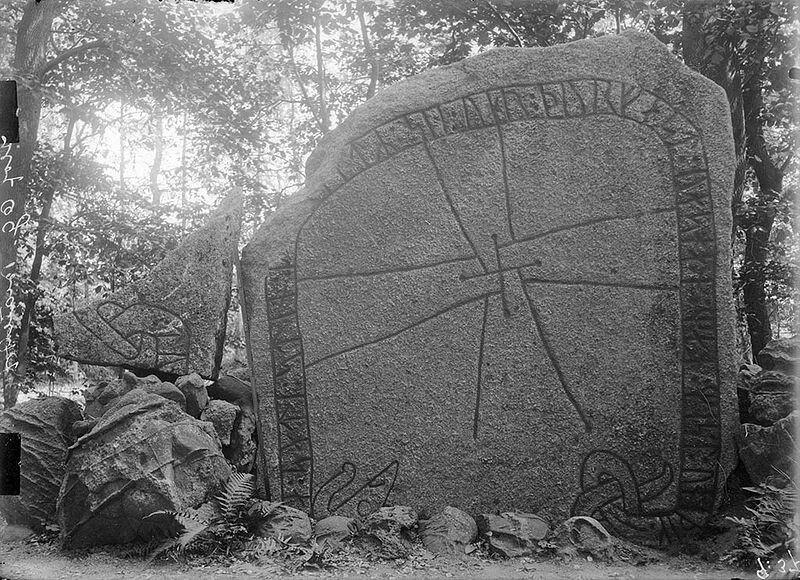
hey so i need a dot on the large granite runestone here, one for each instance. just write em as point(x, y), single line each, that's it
point(506, 286)
point(172, 321)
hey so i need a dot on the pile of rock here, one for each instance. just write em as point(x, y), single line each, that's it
point(390, 532)
point(513, 534)
point(230, 409)
point(140, 445)
point(767, 397)
point(144, 444)
point(226, 404)
point(143, 454)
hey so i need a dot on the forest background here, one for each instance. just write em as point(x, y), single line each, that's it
point(138, 116)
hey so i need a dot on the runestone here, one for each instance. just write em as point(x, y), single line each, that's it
point(172, 321)
point(505, 286)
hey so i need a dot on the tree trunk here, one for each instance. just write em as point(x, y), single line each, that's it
point(29, 303)
point(756, 255)
point(717, 62)
point(757, 223)
point(158, 152)
point(33, 35)
point(699, 55)
point(183, 178)
point(324, 114)
point(368, 51)
point(303, 91)
point(23, 352)
point(122, 144)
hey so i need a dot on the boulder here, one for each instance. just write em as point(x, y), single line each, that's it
point(232, 389)
point(100, 397)
point(448, 532)
point(276, 520)
point(193, 387)
point(747, 374)
point(46, 429)
point(396, 518)
point(773, 382)
point(144, 455)
point(389, 531)
point(152, 384)
point(81, 428)
point(12, 533)
point(746, 378)
point(10, 460)
point(244, 444)
point(585, 536)
point(781, 354)
point(512, 534)
point(333, 531)
point(766, 408)
point(765, 397)
point(206, 512)
point(130, 379)
point(222, 415)
point(769, 453)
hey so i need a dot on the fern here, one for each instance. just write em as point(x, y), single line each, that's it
point(259, 547)
point(140, 550)
point(160, 549)
point(769, 530)
point(193, 526)
point(264, 508)
point(238, 490)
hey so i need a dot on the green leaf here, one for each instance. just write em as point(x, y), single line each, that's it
point(238, 490)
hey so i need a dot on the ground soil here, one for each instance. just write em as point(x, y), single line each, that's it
point(39, 558)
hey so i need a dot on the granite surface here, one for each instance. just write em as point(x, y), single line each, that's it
point(504, 287)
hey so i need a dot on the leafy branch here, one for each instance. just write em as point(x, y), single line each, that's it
point(67, 54)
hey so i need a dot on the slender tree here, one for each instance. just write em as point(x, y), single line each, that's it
point(31, 64)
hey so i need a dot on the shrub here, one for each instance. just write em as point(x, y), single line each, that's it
point(225, 528)
point(770, 530)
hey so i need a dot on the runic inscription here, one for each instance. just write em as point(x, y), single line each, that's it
point(289, 380)
point(464, 328)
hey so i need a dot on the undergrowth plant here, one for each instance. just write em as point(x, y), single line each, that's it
point(225, 528)
point(229, 526)
point(770, 529)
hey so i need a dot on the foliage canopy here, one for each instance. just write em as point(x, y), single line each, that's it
point(146, 112)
